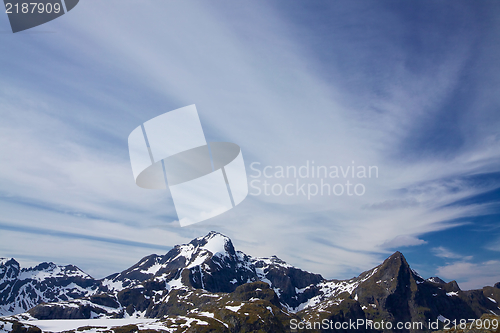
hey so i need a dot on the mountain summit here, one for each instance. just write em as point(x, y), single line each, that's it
point(208, 262)
point(209, 278)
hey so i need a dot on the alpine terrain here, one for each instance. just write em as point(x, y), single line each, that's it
point(208, 286)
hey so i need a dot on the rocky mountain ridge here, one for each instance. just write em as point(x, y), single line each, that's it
point(22, 289)
point(208, 278)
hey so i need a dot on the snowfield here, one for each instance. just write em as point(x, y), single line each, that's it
point(73, 324)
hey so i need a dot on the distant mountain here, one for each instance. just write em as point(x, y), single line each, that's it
point(207, 283)
point(22, 289)
point(435, 279)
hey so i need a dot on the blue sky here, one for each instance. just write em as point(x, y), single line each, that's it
point(410, 87)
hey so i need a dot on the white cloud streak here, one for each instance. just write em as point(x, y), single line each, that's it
point(472, 275)
point(443, 252)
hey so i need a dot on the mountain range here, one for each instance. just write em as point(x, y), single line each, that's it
point(206, 285)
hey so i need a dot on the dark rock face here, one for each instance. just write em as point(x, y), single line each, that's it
point(222, 272)
point(389, 291)
point(56, 312)
point(256, 290)
point(9, 271)
point(135, 274)
point(348, 311)
point(104, 300)
point(398, 302)
point(289, 282)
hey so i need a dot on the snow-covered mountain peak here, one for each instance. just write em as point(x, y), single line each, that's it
point(435, 279)
point(208, 254)
point(50, 270)
point(8, 262)
point(203, 248)
point(272, 261)
point(216, 243)
point(9, 269)
point(3, 261)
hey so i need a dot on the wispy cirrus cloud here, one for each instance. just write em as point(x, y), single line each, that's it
point(471, 275)
point(443, 252)
point(286, 90)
